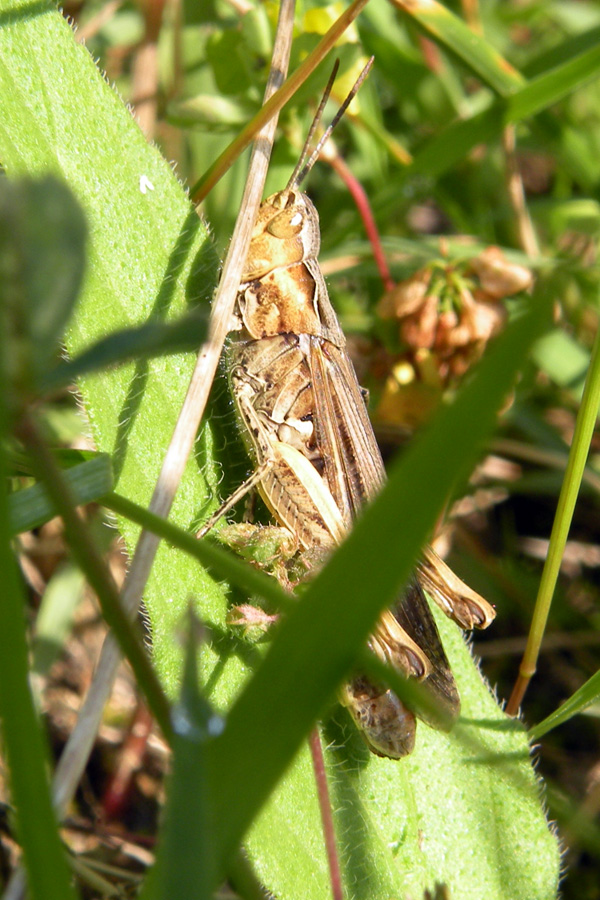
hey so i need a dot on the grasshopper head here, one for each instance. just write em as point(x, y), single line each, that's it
point(282, 290)
point(286, 232)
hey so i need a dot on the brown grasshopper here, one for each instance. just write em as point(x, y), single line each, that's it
point(306, 427)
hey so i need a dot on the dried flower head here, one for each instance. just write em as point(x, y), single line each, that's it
point(447, 312)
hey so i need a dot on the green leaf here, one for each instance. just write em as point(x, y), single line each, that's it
point(455, 141)
point(583, 697)
point(149, 259)
point(55, 616)
point(42, 238)
point(471, 48)
point(212, 113)
point(147, 341)
point(186, 868)
point(227, 55)
point(562, 359)
point(31, 507)
point(25, 746)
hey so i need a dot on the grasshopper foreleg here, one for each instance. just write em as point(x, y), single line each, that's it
point(237, 495)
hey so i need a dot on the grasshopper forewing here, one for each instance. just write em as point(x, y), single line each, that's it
point(306, 427)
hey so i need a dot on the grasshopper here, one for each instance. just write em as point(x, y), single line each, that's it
point(305, 425)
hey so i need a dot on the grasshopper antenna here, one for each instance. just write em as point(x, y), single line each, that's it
point(303, 168)
point(293, 182)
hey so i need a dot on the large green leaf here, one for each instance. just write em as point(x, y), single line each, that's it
point(149, 259)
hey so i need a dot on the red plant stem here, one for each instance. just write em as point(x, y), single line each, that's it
point(326, 814)
point(132, 752)
point(364, 208)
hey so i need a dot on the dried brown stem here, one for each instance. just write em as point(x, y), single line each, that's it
point(516, 193)
point(93, 25)
point(144, 94)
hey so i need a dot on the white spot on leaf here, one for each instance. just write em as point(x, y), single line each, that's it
point(145, 184)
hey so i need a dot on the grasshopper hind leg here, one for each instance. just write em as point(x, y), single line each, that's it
point(407, 638)
point(386, 723)
point(412, 612)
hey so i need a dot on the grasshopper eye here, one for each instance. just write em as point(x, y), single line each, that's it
point(286, 224)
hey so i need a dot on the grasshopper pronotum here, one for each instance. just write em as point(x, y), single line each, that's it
point(306, 427)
